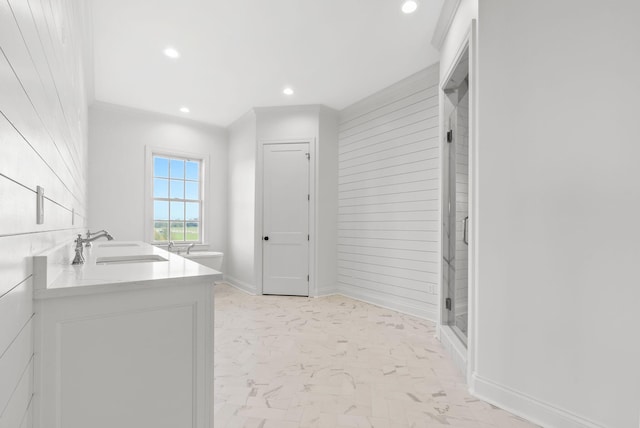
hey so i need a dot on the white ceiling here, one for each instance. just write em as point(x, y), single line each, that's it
point(239, 54)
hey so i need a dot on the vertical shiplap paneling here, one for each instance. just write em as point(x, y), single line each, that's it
point(43, 142)
point(389, 197)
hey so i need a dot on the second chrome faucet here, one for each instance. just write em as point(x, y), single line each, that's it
point(171, 245)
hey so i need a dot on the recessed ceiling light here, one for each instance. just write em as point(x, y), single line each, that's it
point(171, 52)
point(409, 6)
point(184, 109)
point(287, 91)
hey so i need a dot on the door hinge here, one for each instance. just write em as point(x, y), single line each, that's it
point(447, 303)
point(307, 278)
point(307, 237)
point(449, 135)
point(308, 196)
point(308, 155)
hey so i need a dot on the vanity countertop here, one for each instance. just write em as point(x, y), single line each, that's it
point(114, 266)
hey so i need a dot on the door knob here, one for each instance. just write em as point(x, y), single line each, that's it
point(266, 238)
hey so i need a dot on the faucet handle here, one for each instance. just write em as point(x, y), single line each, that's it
point(79, 257)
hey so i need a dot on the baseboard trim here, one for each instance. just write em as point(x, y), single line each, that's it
point(326, 290)
point(527, 407)
point(454, 347)
point(384, 301)
point(240, 285)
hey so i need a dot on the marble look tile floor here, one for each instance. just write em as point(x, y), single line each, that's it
point(334, 362)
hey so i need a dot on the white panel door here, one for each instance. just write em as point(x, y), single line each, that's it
point(285, 226)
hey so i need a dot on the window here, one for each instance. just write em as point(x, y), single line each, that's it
point(177, 199)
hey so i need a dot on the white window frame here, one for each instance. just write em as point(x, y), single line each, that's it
point(150, 152)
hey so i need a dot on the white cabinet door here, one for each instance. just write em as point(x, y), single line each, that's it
point(285, 256)
point(126, 358)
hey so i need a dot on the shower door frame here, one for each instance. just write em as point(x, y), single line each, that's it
point(450, 236)
point(463, 356)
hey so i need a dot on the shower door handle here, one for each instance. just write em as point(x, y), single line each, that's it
point(465, 237)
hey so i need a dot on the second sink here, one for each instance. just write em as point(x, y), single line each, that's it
point(146, 258)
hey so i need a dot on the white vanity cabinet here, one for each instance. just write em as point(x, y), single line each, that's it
point(124, 344)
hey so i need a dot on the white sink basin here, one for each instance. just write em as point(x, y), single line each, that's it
point(118, 244)
point(141, 258)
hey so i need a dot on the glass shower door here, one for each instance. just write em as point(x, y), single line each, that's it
point(456, 211)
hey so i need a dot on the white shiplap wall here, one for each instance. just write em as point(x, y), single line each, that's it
point(42, 143)
point(389, 197)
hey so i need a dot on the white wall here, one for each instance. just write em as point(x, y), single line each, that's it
point(117, 140)
point(43, 142)
point(558, 208)
point(389, 197)
point(241, 202)
point(287, 123)
point(327, 202)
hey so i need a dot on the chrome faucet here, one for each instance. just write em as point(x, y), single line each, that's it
point(87, 240)
point(171, 245)
point(79, 257)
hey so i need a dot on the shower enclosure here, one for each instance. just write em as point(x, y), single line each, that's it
point(455, 209)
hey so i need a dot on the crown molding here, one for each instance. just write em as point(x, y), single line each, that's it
point(447, 13)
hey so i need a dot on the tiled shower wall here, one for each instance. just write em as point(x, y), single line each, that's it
point(389, 197)
point(42, 143)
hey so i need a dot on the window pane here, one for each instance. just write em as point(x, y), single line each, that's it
point(161, 231)
point(193, 170)
point(177, 211)
point(160, 167)
point(193, 211)
point(192, 190)
point(177, 231)
point(178, 180)
point(160, 210)
point(160, 188)
point(177, 168)
point(177, 189)
point(193, 231)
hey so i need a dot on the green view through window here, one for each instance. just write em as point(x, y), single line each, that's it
point(177, 199)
